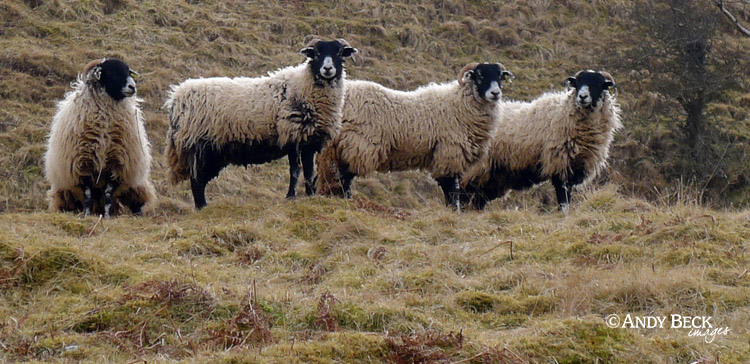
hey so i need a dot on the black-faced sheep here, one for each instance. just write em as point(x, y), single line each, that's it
point(98, 156)
point(295, 111)
point(442, 129)
point(562, 136)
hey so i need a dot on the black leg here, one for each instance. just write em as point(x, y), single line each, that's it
point(479, 202)
point(199, 192)
point(109, 190)
point(562, 191)
point(293, 154)
point(308, 168)
point(88, 197)
point(136, 208)
point(455, 194)
point(346, 182)
point(450, 188)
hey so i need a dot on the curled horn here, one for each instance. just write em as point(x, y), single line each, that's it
point(307, 51)
point(312, 42)
point(93, 64)
point(507, 75)
point(612, 88)
point(466, 68)
point(343, 42)
point(607, 76)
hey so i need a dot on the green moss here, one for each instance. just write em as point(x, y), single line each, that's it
point(53, 263)
point(308, 230)
point(577, 341)
point(71, 225)
point(103, 319)
point(539, 305)
point(476, 301)
point(371, 319)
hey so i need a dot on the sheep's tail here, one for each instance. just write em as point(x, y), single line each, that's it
point(329, 178)
point(176, 158)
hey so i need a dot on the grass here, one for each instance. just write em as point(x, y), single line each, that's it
point(389, 276)
point(127, 289)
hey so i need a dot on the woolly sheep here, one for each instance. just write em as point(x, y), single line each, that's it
point(562, 136)
point(442, 129)
point(98, 148)
point(215, 122)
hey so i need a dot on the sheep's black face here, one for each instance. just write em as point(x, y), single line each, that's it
point(116, 78)
point(488, 79)
point(327, 58)
point(589, 88)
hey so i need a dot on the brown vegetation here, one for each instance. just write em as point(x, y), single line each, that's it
point(391, 274)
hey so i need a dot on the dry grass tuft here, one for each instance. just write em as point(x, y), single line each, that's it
point(324, 319)
point(424, 347)
point(249, 326)
point(370, 206)
point(169, 293)
point(348, 280)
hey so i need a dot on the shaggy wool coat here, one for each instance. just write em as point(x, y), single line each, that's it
point(547, 136)
point(442, 129)
point(94, 135)
point(283, 108)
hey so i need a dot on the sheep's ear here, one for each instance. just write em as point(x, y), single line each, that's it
point(610, 86)
point(309, 52)
point(348, 51)
point(570, 82)
point(508, 77)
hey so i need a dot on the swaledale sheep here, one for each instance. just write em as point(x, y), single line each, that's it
point(562, 136)
point(295, 111)
point(442, 129)
point(98, 148)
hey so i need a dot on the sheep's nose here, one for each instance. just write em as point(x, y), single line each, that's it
point(131, 87)
point(495, 93)
point(327, 68)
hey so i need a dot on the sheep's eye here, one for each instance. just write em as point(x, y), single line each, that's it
point(133, 74)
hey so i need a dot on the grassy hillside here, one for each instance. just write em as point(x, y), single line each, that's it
point(46, 43)
point(390, 276)
point(353, 281)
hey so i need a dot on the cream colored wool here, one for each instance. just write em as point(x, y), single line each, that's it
point(91, 135)
point(550, 133)
point(442, 129)
point(223, 110)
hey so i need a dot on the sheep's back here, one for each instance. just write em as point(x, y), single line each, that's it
point(405, 127)
point(224, 110)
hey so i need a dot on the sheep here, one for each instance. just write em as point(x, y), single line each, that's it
point(443, 129)
point(98, 147)
point(294, 112)
point(562, 136)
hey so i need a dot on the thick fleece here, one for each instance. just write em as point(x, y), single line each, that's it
point(96, 136)
point(442, 129)
point(288, 106)
point(547, 138)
